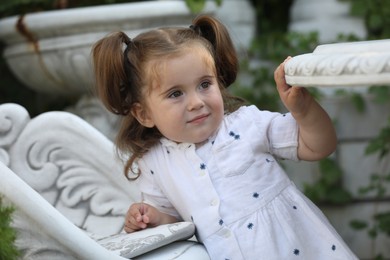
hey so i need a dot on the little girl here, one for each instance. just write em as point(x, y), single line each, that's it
point(202, 155)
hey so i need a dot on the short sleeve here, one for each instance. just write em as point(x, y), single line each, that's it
point(283, 137)
point(150, 191)
point(278, 131)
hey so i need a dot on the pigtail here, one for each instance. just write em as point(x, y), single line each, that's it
point(225, 54)
point(110, 72)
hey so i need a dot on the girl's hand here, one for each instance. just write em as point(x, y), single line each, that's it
point(141, 215)
point(296, 99)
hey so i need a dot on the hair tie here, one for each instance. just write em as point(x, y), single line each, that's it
point(127, 41)
point(127, 68)
point(194, 27)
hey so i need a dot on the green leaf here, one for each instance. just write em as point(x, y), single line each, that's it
point(330, 171)
point(7, 234)
point(196, 6)
point(380, 144)
point(358, 224)
point(218, 2)
point(381, 94)
point(339, 196)
point(358, 102)
point(373, 233)
point(383, 222)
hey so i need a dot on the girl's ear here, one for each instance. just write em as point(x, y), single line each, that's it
point(142, 115)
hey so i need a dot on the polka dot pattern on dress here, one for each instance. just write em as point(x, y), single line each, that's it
point(202, 166)
point(236, 136)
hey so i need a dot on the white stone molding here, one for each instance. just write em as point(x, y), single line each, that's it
point(342, 64)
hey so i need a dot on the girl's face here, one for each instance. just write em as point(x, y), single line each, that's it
point(186, 104)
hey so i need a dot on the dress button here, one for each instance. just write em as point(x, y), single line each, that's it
point(214, 202)
point(224, 233)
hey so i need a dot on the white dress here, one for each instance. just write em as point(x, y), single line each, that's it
point(233, 189)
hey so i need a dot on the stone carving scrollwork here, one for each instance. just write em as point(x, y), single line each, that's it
point(12, 120)
point(72, 165)
point(342, 64)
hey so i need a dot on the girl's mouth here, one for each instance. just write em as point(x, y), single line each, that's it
point(199, 119)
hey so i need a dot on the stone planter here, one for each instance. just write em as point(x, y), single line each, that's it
point(50, 51)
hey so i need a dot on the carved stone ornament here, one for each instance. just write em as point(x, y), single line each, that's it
point(342, 64)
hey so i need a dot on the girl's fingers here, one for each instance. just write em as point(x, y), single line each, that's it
point(280, 79)
point(134, 218)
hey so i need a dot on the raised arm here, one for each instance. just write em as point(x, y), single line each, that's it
point(317, 136)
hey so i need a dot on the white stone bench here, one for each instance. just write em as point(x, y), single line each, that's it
point(68, 188)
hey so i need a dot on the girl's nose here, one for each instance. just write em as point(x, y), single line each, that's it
point(195, 102)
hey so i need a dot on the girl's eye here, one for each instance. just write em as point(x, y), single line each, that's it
point(205, 85)
point(175, 94)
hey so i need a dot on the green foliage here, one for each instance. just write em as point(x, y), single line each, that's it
point(376, 14)
point(381, 94)
point(356, 99)
point(196, 6)
point(7, 234)
point(328, 188)
point(358, 224)
point(272, 15)
point(383, 220)
point(381, 143)
point(377, 185)
point(276, 46)
point(381, 224)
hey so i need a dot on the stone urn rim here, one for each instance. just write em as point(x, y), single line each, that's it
point(50, 51)
point(66, 21)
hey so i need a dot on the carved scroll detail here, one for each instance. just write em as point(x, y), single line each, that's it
point(348, 64)
point(72, 165)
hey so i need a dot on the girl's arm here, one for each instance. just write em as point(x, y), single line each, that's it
point(142, 215)
point(317, 136)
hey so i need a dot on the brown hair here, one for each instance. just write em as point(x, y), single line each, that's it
point(121, 74)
